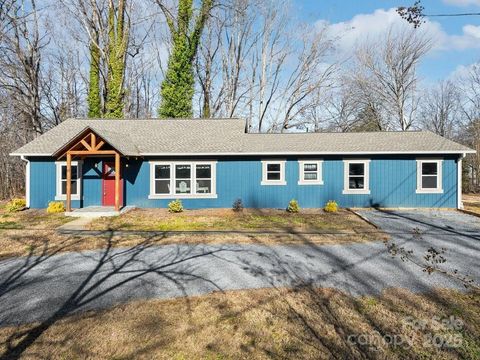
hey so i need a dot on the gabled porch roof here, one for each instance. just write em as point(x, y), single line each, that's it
point(101, 141)
point(89, 143)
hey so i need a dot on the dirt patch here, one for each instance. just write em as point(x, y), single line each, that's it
point(303, 323)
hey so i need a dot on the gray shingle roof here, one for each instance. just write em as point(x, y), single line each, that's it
point(227, 136)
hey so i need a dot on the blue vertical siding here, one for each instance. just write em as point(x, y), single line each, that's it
point(393, 182)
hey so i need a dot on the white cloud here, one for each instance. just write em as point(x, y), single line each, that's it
point(373, 25)
point(461, 72)
point(462, 2)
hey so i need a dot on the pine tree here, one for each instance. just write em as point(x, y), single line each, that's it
point(178, 86)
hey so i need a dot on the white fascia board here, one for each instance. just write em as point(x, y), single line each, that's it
point(449, 152)
point(314, 153)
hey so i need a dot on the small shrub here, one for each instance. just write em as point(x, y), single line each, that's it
point(175, 206)
point(293, 206)
point(15, 205)
point(237, 205)
point(55, 207)
point(331, 206)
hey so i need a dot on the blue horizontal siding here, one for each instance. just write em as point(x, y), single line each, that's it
point(393, 182)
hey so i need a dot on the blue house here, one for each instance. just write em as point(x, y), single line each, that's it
point(210, 163)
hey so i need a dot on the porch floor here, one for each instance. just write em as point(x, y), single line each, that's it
point(98, 211)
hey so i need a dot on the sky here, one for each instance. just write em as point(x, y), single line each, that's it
point(456, 41)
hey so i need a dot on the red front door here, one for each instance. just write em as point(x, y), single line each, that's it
point(108, 185)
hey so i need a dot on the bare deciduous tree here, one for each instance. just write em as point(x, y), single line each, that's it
point(391, 65)
point(440, 109)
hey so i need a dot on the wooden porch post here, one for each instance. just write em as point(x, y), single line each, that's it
point(117, 181)
point(69, 182)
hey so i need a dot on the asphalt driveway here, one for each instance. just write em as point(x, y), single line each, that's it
point(48, 288)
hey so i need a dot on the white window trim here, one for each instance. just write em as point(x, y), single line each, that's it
point(439, 188)
point(58, 194)
point(265, 181)
point(346, 167)
point(301, 172)
point(172, 194)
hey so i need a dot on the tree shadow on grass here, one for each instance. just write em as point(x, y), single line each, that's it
point(173, 266)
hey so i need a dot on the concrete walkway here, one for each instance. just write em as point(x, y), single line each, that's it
point(79, 224)
point(46, 288)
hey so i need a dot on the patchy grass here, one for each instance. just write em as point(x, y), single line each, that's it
point(32, 232)
point(471, 203)
point(31, 219)
point(302, 323)
point(48, 242)
point(314, 220)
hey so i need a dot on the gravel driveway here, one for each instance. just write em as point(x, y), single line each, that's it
point(47, 288)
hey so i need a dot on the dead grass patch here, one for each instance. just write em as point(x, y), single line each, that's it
point(31, 232)
point(303, 323)
point(309, 220)
point(37, 219)
point(471, 202)
point(48, 242)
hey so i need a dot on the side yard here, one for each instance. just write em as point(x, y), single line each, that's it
point(278, 323)
point(471, 202)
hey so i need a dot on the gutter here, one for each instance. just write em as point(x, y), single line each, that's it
point(459, 181)
point(27, 181)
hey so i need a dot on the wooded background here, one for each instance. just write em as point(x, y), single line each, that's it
point(251, 59)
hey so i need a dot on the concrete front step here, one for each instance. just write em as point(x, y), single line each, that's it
point(92, 212)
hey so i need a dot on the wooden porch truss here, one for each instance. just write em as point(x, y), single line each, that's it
point(87, 144)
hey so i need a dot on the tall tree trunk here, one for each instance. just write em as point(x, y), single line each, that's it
point(117, 49)
point(94, 101)
point(178, 87)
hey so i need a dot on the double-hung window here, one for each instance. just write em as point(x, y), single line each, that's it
point(61, 175)
point(273, 172)
point(429, 176)
point(356, 177)
point(310, 172)
point(182, 180)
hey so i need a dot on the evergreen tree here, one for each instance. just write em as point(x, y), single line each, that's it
point(177, 89)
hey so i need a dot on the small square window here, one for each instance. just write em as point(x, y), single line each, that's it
point(273, 172)
point(310, 172)
point(429, 176)
point(356, 177)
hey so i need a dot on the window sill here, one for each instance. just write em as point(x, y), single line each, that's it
point(182, 196)
point(273, 183)
point(64, 197)
point(356, 192)
point(310, 182)
point(429, 191)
